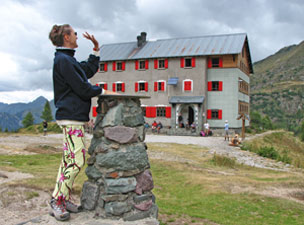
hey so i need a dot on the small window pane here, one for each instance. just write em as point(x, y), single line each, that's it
point(161, 63)
point(119, 66)
point(142, 86)
point(142, 65)
point(188, 62)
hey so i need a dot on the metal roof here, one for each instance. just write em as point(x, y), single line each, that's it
point(186, 99)
point(175, 47)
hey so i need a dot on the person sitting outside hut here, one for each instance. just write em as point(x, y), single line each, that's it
point(235, 141)
point(154, 125)
point(159, 126)
point(193, 126)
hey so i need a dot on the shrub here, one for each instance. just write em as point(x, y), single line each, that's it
point(224, 161)
point(268, 152)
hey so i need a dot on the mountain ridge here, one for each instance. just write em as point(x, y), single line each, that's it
point(11, 115)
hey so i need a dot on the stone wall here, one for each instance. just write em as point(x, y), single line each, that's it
point(119, 180)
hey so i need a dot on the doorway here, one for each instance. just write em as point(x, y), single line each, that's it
point(190, 115)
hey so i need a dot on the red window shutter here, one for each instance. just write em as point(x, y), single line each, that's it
point(94, 111)
point(155, 63)
point(209, 63)
point(106, 67)
point(123, 66)
point(113, 87)
point(220, 85)
point(209, 86)
point(105, 86)
point(114, 66)
point(146, 86)
point(155, 86)
point(147, 64)
point(168, 112)
point(166, 63)
point(148, 112)
point(136, 86)
point(153, 112)
point(220, 62)
point(220, 114)
point(193, 61)
point(123, 87)
point(187, 86)
point(182, 62)
point(136, 65)
point(163, 86)
point(209, 114)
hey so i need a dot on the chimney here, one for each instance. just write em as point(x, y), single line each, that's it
point(139, 41)
point(142, 39)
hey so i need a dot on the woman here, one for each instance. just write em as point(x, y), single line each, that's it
point(72, 95)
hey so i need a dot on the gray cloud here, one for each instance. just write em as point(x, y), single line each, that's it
point(26, 54)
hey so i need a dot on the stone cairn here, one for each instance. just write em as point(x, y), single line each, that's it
point(119, 180)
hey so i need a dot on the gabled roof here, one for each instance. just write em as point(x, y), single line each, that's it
point(176, 47)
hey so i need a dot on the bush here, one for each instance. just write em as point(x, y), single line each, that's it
point(268, 152)
point(224, 161)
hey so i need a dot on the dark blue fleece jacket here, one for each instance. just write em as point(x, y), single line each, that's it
point(72, 90)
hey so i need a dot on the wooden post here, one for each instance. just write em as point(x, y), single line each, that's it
point(243, 128)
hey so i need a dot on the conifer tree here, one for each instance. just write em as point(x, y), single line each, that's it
point(28, 120)
point(47, 112)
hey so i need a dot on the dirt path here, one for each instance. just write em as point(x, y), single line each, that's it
point(219, 146)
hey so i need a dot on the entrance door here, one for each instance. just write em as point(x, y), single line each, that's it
point(190, 115)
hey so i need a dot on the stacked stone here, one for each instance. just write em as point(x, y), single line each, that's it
point(119, 180)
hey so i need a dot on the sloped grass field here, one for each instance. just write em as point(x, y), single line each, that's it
point(194, 187)
point(282, 143)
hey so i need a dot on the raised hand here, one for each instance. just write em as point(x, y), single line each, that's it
point(91, 38)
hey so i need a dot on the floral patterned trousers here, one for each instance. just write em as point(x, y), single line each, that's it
point(73, 159)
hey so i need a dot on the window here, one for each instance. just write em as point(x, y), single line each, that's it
point(103, 67)
point(118, 86)
point(243, 107)
point(103, 85)
point(118, 66)
point(156, 111)
point(214, 114)
point(215, 86)
point(142, 65)
point(187, 62)
point(141, 86)
point(160, 85)
point(243, 86)
point(161, 111)
point(215, 62)
point(160, 63)
point(187, 85)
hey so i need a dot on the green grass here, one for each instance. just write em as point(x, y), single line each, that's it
point(175, 195)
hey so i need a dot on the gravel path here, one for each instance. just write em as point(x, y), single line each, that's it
point(219, 146)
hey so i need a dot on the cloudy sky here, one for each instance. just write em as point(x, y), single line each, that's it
point(26, 53)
